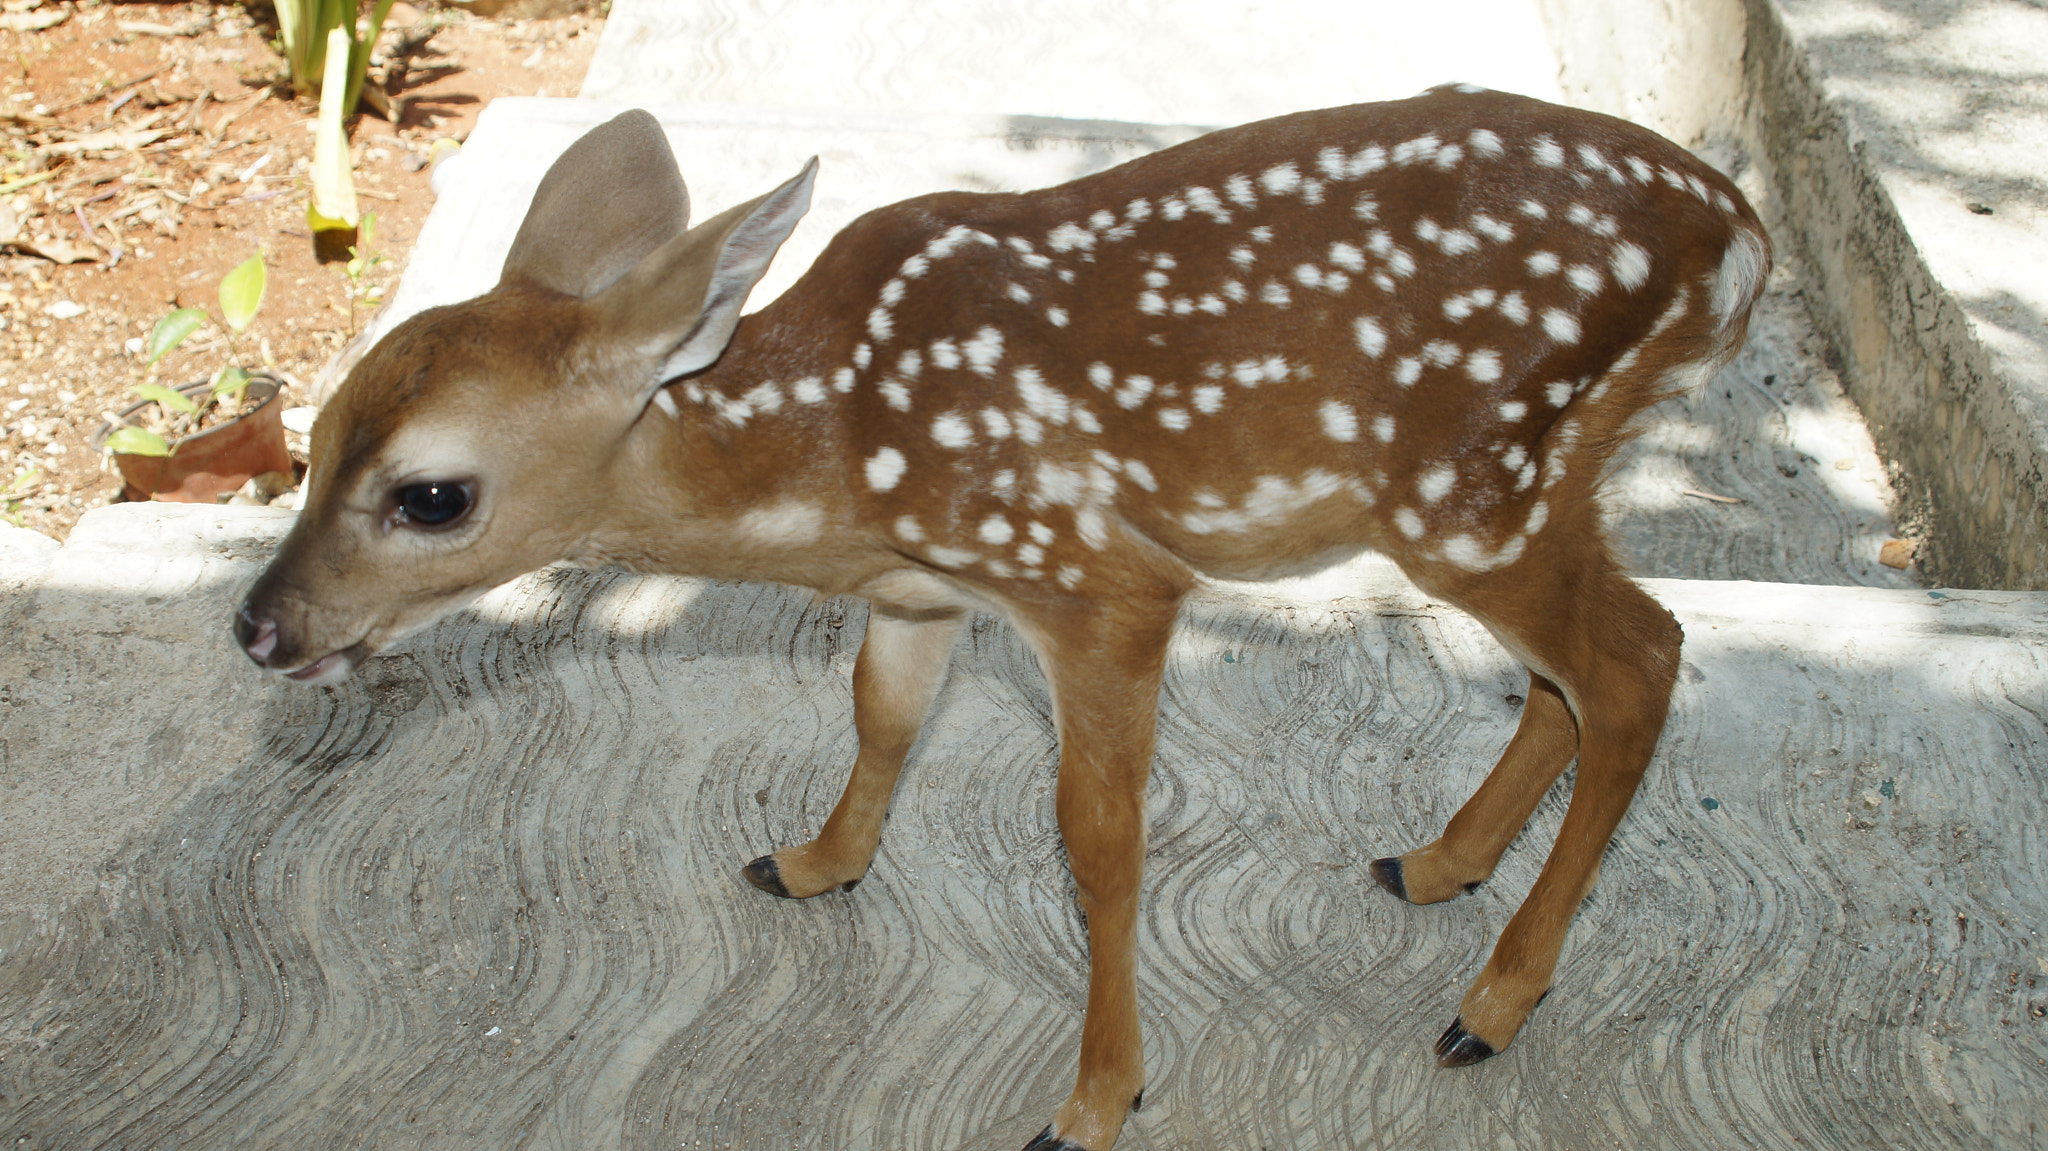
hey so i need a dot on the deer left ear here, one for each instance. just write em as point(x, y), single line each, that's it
point(681, 304)
point(607, 202)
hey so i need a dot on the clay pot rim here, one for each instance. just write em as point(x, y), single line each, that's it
point(194, 389)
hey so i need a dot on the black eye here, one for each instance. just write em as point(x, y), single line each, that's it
point(432, 504)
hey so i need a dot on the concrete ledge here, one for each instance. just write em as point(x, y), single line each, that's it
point(1885, 125)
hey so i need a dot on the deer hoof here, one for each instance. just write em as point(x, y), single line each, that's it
point(1046, 1141)
point(764, 874)
point(1388, 873)
point(1458, 1047)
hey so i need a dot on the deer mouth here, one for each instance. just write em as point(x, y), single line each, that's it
point(332, 667)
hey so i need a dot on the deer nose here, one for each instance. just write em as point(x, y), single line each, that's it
point(258, 637)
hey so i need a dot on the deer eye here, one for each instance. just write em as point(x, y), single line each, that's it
point(432, 504)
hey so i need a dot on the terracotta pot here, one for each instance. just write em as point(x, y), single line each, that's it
point(207, 465)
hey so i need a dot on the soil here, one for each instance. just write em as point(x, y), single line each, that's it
point(147, 149)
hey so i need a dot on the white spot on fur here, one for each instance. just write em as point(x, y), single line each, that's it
point(1483, 365)
point(863, 356)
point(1372, 338)
point(1513, 410)
point(1340, 421)
point(984, 351)
point(1514, 308)
point(1280, 179)
point(842, 380)
point(996, 530)
point(1409, 523)
point(1631, 265)
point(809, 390)
point(1057, 317)
point(885, 468)
point(1140, 475)
point(785, 523)
point(1435, 483)
point(1543, 263)
point(1558, 394)
point(1208, 399)
point(1584, 277)
point(1546, 152)
point(995, 423)
point(1535, 210)
point(946, 557)
point(895, 393)
point(952, 431)
point(1275, 293)
point(909, 530)
point(1560, 326)
point(1383, 429)
point(666, 402)
point(1134, 391)
point(1407, 370)
point(1484, 142)
point(1069, 237)
point(1174, 419)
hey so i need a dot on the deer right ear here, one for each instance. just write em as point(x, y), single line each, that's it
point(681, 304)
point(607, 202)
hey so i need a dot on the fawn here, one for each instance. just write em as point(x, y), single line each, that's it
point(1418, 327)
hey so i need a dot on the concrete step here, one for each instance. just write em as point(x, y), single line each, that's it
point(485, 893)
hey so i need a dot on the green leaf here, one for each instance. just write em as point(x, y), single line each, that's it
point(229, 383)
point(171, 331)
point(241, 293)
point(168, 397)
point(133, 441)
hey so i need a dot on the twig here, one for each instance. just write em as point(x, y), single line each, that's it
point(103, 93)
point(12, 186)
point(1708, 496)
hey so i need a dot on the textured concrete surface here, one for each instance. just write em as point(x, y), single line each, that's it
point(485, 894)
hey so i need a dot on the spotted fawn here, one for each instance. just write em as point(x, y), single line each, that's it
point(1419, 328)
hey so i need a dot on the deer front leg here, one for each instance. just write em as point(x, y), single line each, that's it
point(1105, 681)
point(902, 662)
point(1465, 855)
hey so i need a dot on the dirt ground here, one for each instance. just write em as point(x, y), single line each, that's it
point(147, 149)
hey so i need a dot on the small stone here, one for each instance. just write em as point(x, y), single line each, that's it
point(299, 420)
point(1897, 553)
point(266, 487)
point(64, 310)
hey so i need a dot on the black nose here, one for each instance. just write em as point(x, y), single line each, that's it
point(258, 637)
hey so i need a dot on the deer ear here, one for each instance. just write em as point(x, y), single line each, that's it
point(607, 202)
point(681, 304)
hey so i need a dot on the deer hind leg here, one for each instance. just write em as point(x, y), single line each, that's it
point(1471, 845)
point(902, 662)
point(1612, 653)
point(1105, 673)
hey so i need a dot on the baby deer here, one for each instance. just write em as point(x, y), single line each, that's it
point(1418, 327)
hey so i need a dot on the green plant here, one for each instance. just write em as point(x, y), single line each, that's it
point(16, 492)
point(362, 258)
point(303, 27)
point(241, 293)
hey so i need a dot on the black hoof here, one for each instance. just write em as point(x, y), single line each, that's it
point(1046, 1142)
point(850, 884)
point(763, 873)
point(1388, 873)
point(1460, 1048)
